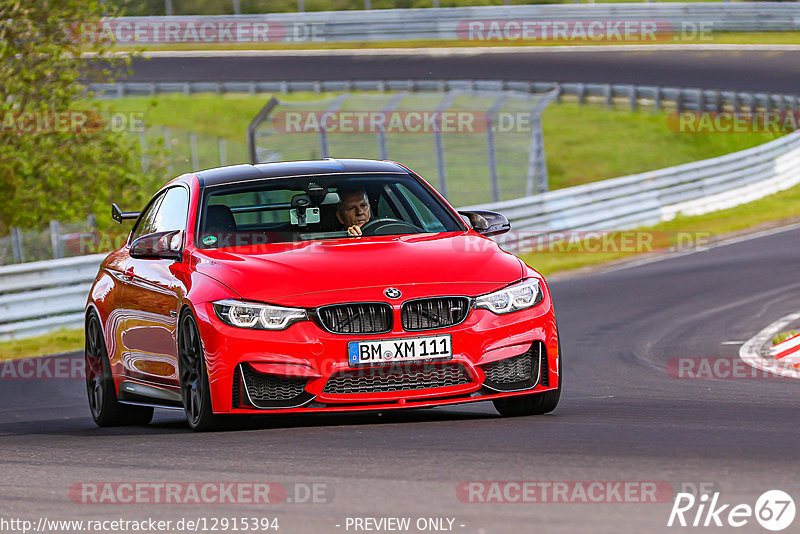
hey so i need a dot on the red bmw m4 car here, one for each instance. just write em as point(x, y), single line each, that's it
point(315, 286)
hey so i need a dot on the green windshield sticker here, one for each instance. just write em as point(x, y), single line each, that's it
point(209, 240)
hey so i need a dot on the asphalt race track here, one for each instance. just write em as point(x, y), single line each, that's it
point(621, 418)
point(744, 70)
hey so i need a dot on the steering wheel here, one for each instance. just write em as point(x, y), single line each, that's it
point(388, 226)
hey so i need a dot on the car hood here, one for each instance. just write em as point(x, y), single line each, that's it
point(316, 273)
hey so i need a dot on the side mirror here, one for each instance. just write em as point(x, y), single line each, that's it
point(160, 245)
point(487, 223)
point(119, 215)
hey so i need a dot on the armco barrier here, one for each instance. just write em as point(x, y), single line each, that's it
point(449, 23)
point(635, 96)
point(651, 197)
point(43, 296)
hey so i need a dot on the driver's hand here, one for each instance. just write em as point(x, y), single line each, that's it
point(354, 231)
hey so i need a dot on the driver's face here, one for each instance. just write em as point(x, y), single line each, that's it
point(354, 209)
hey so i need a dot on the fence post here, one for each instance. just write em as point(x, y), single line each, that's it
point(491, 148)
point(537, 164)
point(439, 142)
point(223, 154)
point(383, 148)
point(143, 148)
point(167, 145)
point(55, 239)
point(323, 134)
point(193, 147)
point(16, 245)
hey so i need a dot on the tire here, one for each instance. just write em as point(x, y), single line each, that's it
point(195, 391)
point(533, 403)
point(106, 410)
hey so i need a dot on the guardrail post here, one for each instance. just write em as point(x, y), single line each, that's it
point(301, 5)
point(236, 8)
point(609, 94)
point(657, 100)
point(168, 7)
point(581, 94)
point(634, 102)
point(55, 239)
point(16, 245)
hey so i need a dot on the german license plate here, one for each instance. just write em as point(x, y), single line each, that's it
point(399, 350)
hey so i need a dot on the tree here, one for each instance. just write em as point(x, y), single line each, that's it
point(52, 165)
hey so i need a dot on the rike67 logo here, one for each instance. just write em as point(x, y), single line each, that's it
point(774, 510)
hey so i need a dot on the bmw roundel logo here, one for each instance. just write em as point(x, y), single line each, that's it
point(392, 292)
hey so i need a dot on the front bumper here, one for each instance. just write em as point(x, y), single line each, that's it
point(302, 359)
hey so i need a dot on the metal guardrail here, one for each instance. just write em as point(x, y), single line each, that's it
point(649, 198)
point(634, 96)
point(450, 22)
point(42, 296)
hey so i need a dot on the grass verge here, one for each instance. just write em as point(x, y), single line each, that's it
point(784, 336)
point(61, 341)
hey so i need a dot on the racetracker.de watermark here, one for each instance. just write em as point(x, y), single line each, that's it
point(564, 491)
point(132, 31)
point(406, 121)
point(774, 122)
point(595, 241)
point(583, 30)
point(69, 122)
point(44, 368)
point(204, 492)
point(714, 368)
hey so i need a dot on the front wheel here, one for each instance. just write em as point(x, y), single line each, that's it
point(195, 391)
point(533, 403)
point(106, 409)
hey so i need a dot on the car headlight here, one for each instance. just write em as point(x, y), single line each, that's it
point(259, 316)
point(519, 296)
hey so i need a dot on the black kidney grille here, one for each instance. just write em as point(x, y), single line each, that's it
point(361, 318)
point(397, 378)
point(438, 312)
point(263, 387)
point(517, 372)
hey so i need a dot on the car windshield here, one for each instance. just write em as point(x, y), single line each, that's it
point(319, 207)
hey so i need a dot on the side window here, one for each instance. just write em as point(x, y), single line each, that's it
point(172, 211)
point(430, 222)
point(147, 220)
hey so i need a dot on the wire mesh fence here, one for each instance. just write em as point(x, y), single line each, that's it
point(473, 146)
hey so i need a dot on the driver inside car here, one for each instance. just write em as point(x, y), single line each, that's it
point(353, 210)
